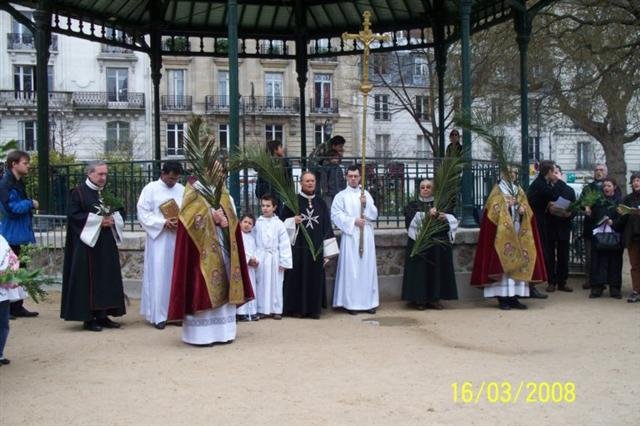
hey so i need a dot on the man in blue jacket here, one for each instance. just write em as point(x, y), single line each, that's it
point(16, 211)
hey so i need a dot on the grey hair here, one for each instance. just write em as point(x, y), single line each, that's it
point(91, 166)
point(606, 169)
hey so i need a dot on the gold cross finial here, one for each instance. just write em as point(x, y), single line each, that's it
point(366, 37)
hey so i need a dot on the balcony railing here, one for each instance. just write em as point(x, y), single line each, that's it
point(175, 103)
point(109, 100)
point(26, 41)
point(105, 48)
point(217, 104)
point(319, 107)
point(28, 98)
point(271, 105)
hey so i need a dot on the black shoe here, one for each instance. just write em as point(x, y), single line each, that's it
point(595, 292)
point(615, 292)
point(535, 294)
point(4, 361)
point(350, 312)
point(23, 313)
point(160, 325)
point(314, 316)
point(107, 323)
point(515, 303)
point(371, 311)
point(92, 326)
point(243, 318)
point(11, 317)
point(421, 306)
point(586, 286)
point(504, 304)
point(550, 288)
point(565, 288)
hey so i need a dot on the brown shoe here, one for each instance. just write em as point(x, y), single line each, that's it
point(551, 288)
point(586, 286)
point(565, 288)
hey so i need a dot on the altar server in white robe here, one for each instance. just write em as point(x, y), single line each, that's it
point(249, 311)
point(356, 283)
point(160, 242)
point(273, 251)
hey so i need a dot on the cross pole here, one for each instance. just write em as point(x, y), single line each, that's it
point(366, 37)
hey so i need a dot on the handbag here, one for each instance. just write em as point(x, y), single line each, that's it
point(607, 241)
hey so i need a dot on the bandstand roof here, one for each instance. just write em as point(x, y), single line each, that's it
point(270, 19)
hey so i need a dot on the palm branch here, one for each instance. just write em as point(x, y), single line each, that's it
point(271, 170)
point(503, 147)
point(206, 160)
point(446, 186)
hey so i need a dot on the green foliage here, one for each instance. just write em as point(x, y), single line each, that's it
point(271, 170)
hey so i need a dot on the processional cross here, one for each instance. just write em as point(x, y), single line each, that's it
point(366, 37)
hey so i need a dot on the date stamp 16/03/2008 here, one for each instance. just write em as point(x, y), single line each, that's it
point(507, 393)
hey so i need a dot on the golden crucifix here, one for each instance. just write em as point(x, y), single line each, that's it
point(366, 37)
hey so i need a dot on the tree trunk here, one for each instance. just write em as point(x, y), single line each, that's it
point(614, 152)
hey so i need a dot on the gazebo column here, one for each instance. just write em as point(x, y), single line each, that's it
point(156, 77)
point(441, 48)
point(522, 23)
point(301, 70)
point(234, 97)
point(42, 18)
point(467, 220)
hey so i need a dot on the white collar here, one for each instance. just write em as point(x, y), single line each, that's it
point(308, 197)
point(93, 185)
point(426, 200)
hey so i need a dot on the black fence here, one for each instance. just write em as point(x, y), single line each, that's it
point(392, 184)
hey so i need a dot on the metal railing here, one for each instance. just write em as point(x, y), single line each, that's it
point(26, 41)
point(392, 184)
point(175, 103)
point(217, 104)
point(319, 107)
point(106, 48)
point(28, 98)
point(273, 105)
point(108, 100)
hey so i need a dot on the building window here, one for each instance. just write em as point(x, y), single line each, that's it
point(585, 156)
point(24, 79)
point(382, 107)
point(21, 37)
point(28, 136)
point(381, 63)
point(423, 107)
point(500, 140)
point(423, 147)
point(223, 136)
point(323, 132)
point(175, 89)
point(273, 89)
point(117, 137)
point(117, 81)
point(420, 67)
point(322, 92)
point(223, 88)
point(382, 146)
point(274, 132)
point(534, 148)
point(175, 139)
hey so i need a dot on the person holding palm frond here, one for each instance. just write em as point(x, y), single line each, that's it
point(304, 285)
point(508, 255)
point(429, 276)
point(210, 276)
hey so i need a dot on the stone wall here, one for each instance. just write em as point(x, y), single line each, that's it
point(390, 253)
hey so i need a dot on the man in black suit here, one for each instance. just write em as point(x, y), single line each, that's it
point(540, 195)
point(558, 232)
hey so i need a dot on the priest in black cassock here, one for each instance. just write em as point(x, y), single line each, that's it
point(92, 280)
point(304, 285)
point(429, 276)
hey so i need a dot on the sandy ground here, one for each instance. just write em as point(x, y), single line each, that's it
point(396, 367)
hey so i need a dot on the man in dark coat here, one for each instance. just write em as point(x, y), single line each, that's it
point(92, 280)
point(540, 196)
point(559, 232)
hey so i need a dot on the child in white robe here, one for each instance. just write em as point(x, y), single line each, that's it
point(273, 251)
point(249, 311)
